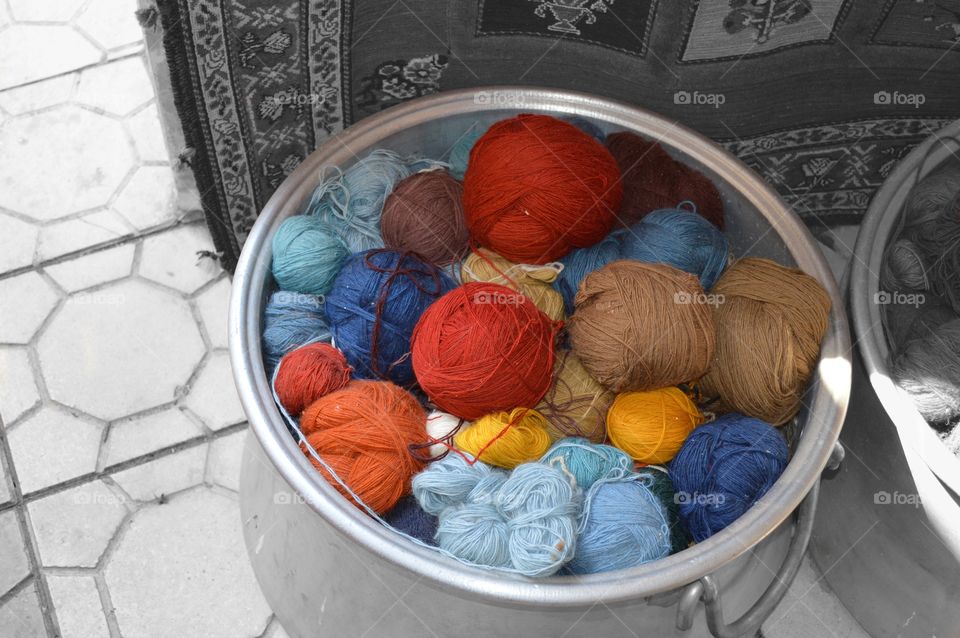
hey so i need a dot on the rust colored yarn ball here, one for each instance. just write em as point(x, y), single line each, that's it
point(424, 215)
point(363, 432)
point(652, 180)
point(640, 326)
point(537, 187)
point(769, 328)
point(308, 373)
point(483, 348)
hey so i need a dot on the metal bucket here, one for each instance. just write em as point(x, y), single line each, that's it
point(328, 569)
point(895, 564)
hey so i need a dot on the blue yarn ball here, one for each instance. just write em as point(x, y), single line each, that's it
point(291, 319)
point(460, 152)
point(587, 461)
point(682, 239)
point(580, 262)
point(451, 480)
point(541, 506)
point(624, 524)
point(402, 285)
point(723, 468)
point(307, 255)
point(587, 127)
point(475, 532)
point(351, 201)
point(408, 517)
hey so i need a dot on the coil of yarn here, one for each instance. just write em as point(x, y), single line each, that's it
point(652, 180)
point(441, 428)
point(362, 432)
point(308, 373)
point(307, 255)
point(579, 263)
point(903, 268)
point(424, 215)
point(588, 462)
point(723, 469)
point(476, 533)
point(938, 244)
point(928, 369)
point(652, 425)
point(642, 326)
point(506, 439)
point(931, 196)
point(534, 282)
point(769, 329)
point(575, 404)
point(351, 201)
point(624, 524)
point(682, 239)
point(291, 319)
point(536, 187)
point(373, 306)
point(483, 348)
point(454, 480)
point(408, 517)
point(904, 322)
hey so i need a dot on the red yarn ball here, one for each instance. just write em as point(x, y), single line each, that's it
point(308, 373)
point(483, 348)
point(364, 432)
point(652, 180)
point(537, 187)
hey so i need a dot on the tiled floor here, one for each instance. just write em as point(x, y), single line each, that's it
point(120, 431)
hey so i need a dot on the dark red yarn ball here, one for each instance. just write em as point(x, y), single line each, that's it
point(652, 180)
point(308, 373)
point(483, 348)
point(537, 187)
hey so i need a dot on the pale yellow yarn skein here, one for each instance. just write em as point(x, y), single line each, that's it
point(506, 439)
point(534, 282)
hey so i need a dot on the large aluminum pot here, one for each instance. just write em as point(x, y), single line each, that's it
point(895, 565)
point(327, 569)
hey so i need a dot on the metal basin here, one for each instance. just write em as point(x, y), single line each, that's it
point(327, 569)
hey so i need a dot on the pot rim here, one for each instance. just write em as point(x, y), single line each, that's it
point(827, 406)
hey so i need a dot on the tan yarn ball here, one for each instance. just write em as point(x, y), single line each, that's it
point(640, 326)
point(770, 323)
point(576, 404)
point(533, 281)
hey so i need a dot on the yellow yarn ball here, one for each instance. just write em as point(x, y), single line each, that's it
point(506, 439)
point(652, 425)
point(576, 404)
point(534, 282)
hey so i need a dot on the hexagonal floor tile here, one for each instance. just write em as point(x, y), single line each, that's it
point(38, 95)
point(171, 259)
point(149, 198)
point(135, 345)
point(78, 607)
point(25, 301)
point(75, 234)
point(213, 304)
point(213, 396)
point(165, 475)
point(18, 241)
point(52, 446)
point(187, 555)
point(118, 87)
point(19, 385)
point(14, 565)
point(93, 269)
point(112, 23)
point(144, 127)
point(33, 11)
point(130, 438)
point(92, 154)
point(20, 615)
point(27, 52)
point(73, 527)
point(223, 465)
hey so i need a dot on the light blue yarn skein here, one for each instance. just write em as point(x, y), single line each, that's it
point(587, 461)
point(624, 524)
point(291, 319)
point(451, 480)
point(680, 238)
point(475, 532)
point(351, 201)
point(307, 255)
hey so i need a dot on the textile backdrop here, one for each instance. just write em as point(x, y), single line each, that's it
point(820, 97)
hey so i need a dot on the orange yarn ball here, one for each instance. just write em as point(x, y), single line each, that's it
point(537, 187)
point(363, 432)
point(308, 373)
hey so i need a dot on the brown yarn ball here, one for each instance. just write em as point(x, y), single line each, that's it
point(770, 321)
point(640, 326)
point(424, 214)
point(652, 179)
point(576, 404)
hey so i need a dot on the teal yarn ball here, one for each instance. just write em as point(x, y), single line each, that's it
point(663, 487)
point(475, 532)
point(290, 320)
point(680, 238)
point(460, 151)
point(307, 255)
point(624, 524)
point(588, 462)
point(351, 201)
point(540, 504)
point(451, 480)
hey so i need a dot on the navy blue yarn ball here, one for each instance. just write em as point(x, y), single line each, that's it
point(409, 518)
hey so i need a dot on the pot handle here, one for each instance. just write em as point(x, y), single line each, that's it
point(708, 590)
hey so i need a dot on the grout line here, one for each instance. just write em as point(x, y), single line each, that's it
point(103, 61)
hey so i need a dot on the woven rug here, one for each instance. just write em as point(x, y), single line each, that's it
point(820, 97)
